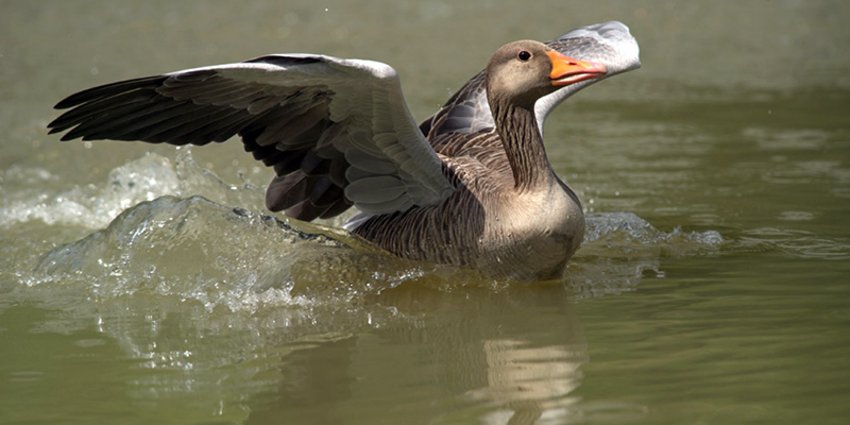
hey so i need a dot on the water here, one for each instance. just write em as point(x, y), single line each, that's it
point(146, 284)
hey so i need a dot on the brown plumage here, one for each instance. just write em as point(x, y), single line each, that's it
point(470, 186)
point(510, 213)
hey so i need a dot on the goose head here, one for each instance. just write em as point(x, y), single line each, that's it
point(523, 71)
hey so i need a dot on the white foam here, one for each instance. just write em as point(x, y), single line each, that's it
point(94, 205)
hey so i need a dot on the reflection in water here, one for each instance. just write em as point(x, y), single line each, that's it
point(481, 358)
point(417, 352)
point(528, 381)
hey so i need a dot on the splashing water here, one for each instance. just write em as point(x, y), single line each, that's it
point(170, 242)
point(621, 248)
point(95, 206)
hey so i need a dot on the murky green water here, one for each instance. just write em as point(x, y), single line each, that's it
point(713, 287)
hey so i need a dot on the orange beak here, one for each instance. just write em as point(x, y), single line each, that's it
point(566, 70)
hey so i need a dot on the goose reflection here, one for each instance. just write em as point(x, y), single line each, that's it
point(503, 356)
point(528, 381)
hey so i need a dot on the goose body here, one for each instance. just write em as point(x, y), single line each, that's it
point(470, 186)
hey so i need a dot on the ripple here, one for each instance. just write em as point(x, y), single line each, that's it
point(796, 243)
point(784, 139)
point(796, 216)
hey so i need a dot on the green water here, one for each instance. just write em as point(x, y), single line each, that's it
point(713, 287)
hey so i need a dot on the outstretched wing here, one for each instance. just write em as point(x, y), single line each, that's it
point(336, 131)
point(468, 111)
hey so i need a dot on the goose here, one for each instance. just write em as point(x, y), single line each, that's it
point(470, 186)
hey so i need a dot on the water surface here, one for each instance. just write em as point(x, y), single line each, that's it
point(147, 284)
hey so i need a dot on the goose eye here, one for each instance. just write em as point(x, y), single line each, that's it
point(524, 56)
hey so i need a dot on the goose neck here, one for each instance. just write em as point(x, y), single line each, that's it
point(523, 143)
